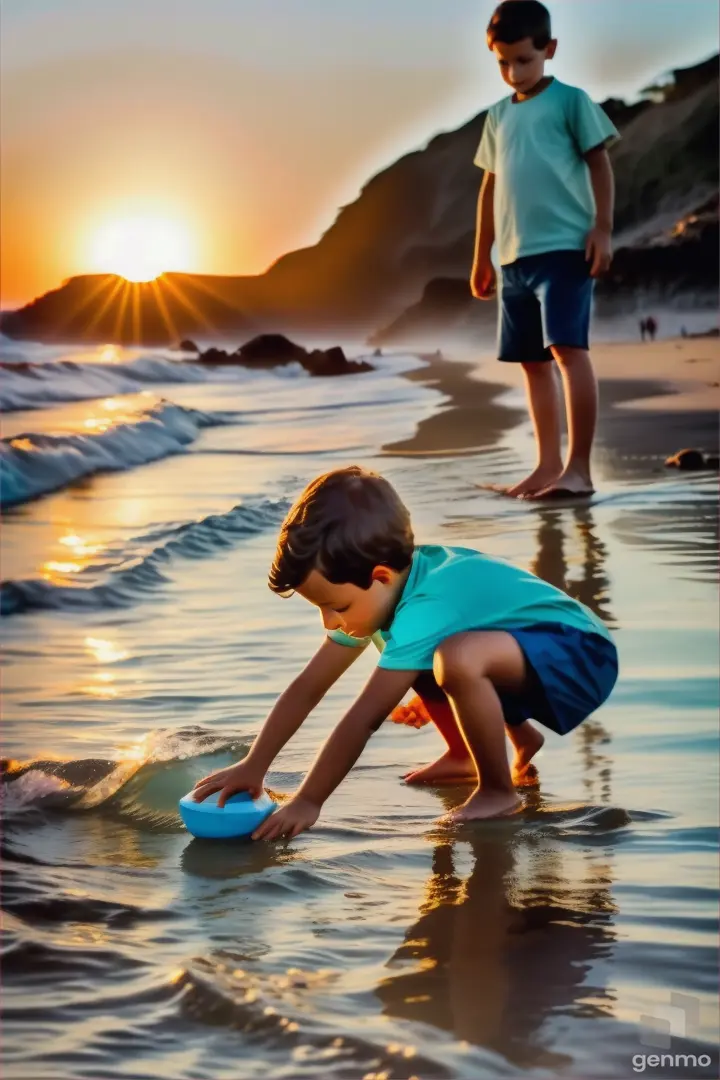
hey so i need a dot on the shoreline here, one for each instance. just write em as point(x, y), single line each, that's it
point(471, 420)
point(655, 399)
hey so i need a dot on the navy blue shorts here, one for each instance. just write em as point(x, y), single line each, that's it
point(570, 674)
point(544, 300)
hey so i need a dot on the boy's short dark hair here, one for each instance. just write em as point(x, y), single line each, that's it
point(344, 524)
point(514, 20)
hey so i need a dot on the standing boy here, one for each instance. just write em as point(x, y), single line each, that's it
point(547, 199)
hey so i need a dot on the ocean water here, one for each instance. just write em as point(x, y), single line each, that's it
point(142, 649)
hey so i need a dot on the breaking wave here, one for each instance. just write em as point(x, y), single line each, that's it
point(125, 575)
point(30, 385)
point(35, 464)
point(143, 787)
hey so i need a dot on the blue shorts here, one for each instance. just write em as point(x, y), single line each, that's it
point(570, 674)
point(544, 300)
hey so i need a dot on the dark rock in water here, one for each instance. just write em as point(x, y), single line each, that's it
point(275, 350)
point(378, 352)
point(273, 347)
point(333, 362)
point(712, 461)
point(692, 460)
point(216, 356)
point(188, 346)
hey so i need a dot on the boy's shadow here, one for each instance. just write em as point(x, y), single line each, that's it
point(490, 959)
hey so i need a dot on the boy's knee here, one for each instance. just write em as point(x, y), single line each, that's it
point(567, 355)
point(538, 369)
point(455, 662)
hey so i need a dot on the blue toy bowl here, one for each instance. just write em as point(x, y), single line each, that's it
point(240, 816)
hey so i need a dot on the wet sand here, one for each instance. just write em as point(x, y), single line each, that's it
point(655, 399)
point(473, 417)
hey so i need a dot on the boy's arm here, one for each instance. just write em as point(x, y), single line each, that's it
point(289, 712)
point(482, 279)
point(598, 249)
point(485, 228)
point(382, 693)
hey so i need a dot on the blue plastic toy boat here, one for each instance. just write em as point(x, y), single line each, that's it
point(240, 816)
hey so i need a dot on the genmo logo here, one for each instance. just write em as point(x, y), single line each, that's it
point(679, 1019)
point(641, 1062)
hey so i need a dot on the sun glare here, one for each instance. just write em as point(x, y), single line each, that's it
point(141, 248)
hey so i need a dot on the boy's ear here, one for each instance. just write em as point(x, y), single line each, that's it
point(551, 49)
point(383, 574)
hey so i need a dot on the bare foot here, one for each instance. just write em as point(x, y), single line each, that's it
point(448, 769)
point(571, 484)
point(538, 480)
point(527, 740)
point(484, 804)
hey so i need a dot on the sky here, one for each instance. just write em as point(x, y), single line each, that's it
point(238, 127)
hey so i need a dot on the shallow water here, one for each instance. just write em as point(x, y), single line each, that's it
point(143, 649)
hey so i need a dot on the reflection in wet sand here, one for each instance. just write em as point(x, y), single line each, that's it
point(494, 958)
point(551, 563)
point(558, 532)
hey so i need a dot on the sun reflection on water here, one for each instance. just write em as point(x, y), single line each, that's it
point(76, 546)
point(104, 651)
point(102, 687)
point(52, 567)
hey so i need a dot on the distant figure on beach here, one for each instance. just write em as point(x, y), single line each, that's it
point(651, 327)
point(643, 329)
point(484, 644)
point(547, 198)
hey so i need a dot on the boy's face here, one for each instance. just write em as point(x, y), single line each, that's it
point(357, 612)
point(522, 66)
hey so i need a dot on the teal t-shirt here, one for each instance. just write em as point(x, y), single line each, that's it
point(543, 198)
point(453, 589)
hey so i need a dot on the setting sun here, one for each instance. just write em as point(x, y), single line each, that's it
point(141, 248)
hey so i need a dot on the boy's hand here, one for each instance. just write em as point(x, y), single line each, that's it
point(292, 818)
point(483, 280)
point(598, 251)
point(245, 776)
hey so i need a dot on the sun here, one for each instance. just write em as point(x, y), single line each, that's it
point(141, 248)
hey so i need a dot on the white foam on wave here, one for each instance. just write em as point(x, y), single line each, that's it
point(35, 464)
point(29, 384)
point(142, 785)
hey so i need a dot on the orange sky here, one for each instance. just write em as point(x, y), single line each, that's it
point(124, 134)
point(249, 130)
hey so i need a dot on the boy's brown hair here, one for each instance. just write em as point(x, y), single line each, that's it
point(344, 524)
point(515, 20)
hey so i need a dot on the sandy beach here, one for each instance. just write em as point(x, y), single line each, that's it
point(655, 399)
